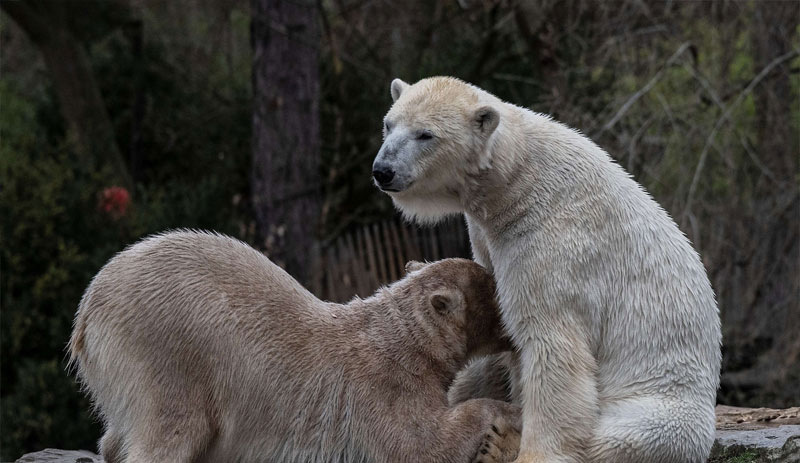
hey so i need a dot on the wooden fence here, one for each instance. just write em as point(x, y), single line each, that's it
point(360, 262)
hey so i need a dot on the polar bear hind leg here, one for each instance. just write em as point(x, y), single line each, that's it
point(654, 429)
point(111, 446)
point(179, 435)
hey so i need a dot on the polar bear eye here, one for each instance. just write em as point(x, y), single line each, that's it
point(424, 135)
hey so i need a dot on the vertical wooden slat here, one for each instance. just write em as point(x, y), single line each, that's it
point(435, 255)
point(423, 243)
point(345, 275)
point(359, 262)
point(412, 248)
point(373, 266)
point(388, 246)
point(441, 234)
point(381, 255)
point(367, 277)
point(401, 255)
point(375, 260)
point(355, 267)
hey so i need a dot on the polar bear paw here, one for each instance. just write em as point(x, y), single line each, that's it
point(500, 444)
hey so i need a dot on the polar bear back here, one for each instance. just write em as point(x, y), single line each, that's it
point(624, 250)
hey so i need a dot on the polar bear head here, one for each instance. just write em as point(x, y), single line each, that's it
point(437, 133)
point(456, 299)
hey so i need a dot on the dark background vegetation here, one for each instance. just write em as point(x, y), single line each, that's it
point(260, 119)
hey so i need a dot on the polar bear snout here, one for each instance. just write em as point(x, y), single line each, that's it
point(383, 174)
point(390, 175)
point(393, 168)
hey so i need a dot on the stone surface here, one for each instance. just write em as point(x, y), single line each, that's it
point(757, 435)
point(60, 456)
point(744, 435)
point(767, 438)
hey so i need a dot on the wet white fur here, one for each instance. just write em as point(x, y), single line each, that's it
point(609, 305)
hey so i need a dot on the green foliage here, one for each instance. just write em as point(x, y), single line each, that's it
point(744, 457)
point(45, 408)
point(48, 255)
point(194, 158)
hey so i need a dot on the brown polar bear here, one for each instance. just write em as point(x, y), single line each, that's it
point(609, 306)
point(195, 347)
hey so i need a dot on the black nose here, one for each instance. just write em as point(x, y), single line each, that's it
point(383, 175)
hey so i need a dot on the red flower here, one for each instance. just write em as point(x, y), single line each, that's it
point(114, 201)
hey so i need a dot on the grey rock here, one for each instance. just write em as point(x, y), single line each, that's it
point(60, 456)
point(780, 444)
point(768, 438)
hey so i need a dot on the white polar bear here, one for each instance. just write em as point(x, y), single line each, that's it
point(609, 306)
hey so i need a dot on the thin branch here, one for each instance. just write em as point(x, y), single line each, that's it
point(667, 110)
point(707, 86)
point(515, 78)
point(633, 140)
point(642, 91)
point(489, 39)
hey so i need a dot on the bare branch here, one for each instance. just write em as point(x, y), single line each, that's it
point(724, 117)
point(707, 86)
point(642, 91)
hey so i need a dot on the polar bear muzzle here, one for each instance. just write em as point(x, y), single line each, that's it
point(383, 174)
point(394, 166)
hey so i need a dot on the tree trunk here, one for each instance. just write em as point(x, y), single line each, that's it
point(286, 146)
point(88, 124)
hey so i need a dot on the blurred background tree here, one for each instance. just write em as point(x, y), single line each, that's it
point(55, 27)
point(286, 144)
point(120, 118)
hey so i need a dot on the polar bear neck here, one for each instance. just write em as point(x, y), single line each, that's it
point(527, 174)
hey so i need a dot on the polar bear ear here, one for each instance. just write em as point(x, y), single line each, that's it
point(413, 266)
point(486, 120)
point(442, 302)
point(397, 88)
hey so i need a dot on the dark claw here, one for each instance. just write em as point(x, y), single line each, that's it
point(484, 451)
point(494, 428)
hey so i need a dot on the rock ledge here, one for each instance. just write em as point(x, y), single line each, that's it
point(744, 435)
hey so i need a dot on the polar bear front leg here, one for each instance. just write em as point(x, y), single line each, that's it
point(463, 431)
point(558, 390)
point(500, 444)
point(491, 376)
